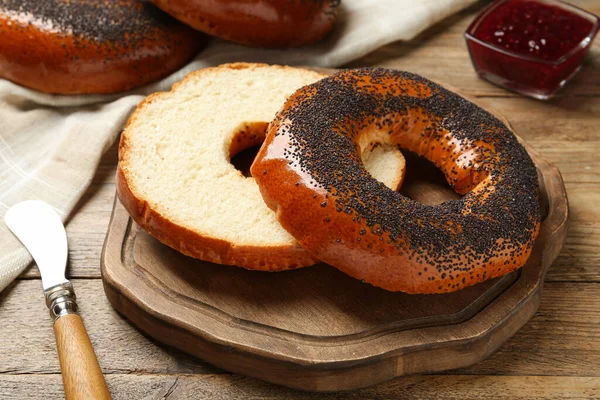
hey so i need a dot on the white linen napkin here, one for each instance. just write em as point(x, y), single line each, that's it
point(50, 145)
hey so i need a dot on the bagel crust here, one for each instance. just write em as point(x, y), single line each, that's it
point(261, 23)
point(311, 175)
point(90, 46)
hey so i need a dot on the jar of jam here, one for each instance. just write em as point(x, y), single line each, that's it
point(533, 47)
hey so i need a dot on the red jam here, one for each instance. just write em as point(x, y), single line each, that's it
point(530, 46)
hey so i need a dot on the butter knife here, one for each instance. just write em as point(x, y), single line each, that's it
point(41, 231)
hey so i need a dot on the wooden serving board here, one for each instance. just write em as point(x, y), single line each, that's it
point(316, 328)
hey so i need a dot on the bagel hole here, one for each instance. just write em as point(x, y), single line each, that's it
point(385, 163)
point(245, 145)
point(243, 160)
point(424, 182)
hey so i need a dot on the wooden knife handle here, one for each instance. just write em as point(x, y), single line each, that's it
point(81, 373)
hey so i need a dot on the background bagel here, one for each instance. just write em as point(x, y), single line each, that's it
point(264, 23)
point(315, 180)
point(174, 175)
point(90, 46)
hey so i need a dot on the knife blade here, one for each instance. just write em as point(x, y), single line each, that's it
point(39, 228)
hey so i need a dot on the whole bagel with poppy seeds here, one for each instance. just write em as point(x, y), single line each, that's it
point(90, 46)
point(312, 176)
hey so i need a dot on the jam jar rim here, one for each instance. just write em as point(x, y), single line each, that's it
point(585, 42)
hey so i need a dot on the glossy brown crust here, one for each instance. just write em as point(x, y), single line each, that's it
point(260, 23)
point(326, 200)
point(63, 47)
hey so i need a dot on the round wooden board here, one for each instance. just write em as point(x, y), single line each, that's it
point(316, 328)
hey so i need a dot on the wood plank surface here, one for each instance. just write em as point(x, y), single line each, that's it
point(556, 355)
point(26, 330)
point(236, 387)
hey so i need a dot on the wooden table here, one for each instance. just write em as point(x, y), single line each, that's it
point(556, 355)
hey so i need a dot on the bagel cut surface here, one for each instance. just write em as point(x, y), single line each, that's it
point(310, 162)
point(176, 180)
